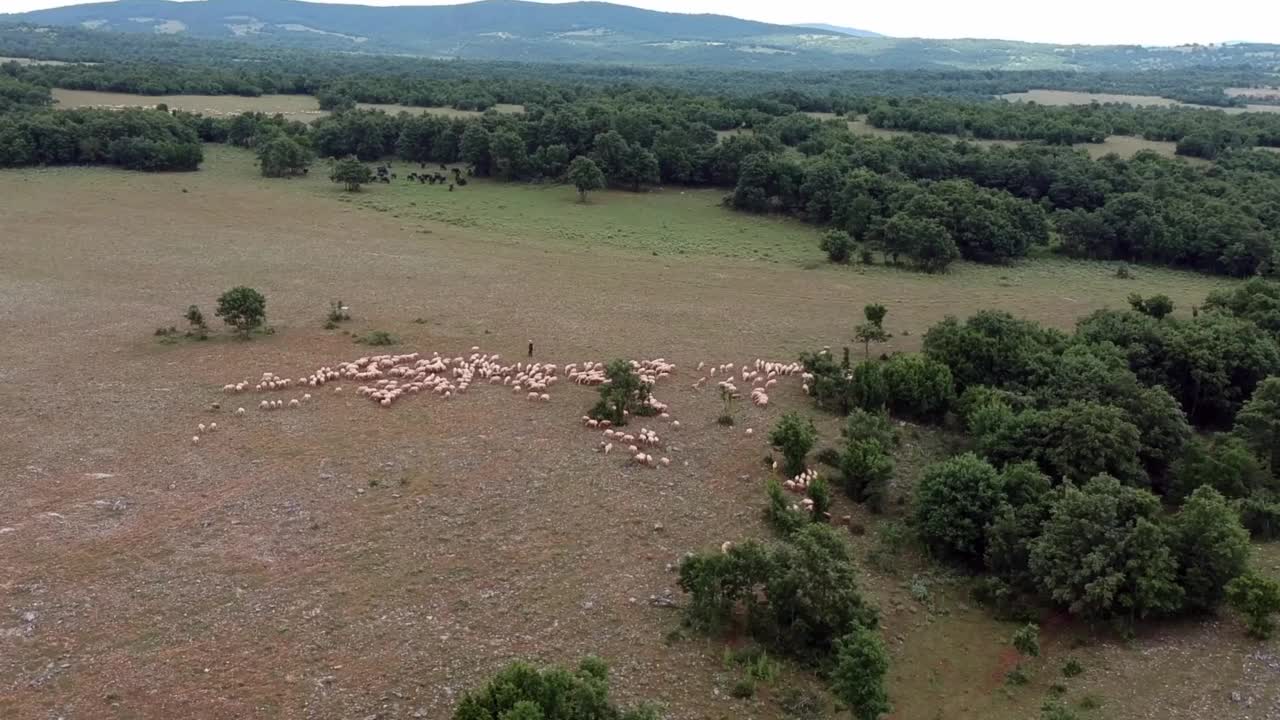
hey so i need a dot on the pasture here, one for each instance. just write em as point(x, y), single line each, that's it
point(304, 108)
point(1073, 97)
point(344, 560)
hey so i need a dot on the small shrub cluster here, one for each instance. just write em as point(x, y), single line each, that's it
point(523, 692)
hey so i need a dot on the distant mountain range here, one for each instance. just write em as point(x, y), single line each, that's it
point(598, 32)
point(840, 29)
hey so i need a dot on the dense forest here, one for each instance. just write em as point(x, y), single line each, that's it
point(921, 199)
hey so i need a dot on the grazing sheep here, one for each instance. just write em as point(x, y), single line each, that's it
point(666, 462)
point(213, 427)
point(195, 439)
point(239, 411)
point(200, 427)
point(607, 448)
point(750, 432)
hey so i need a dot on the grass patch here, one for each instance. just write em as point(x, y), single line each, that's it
point(378, 338)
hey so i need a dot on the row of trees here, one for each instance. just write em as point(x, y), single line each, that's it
point(1198, 132)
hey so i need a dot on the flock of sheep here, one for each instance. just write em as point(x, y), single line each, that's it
point(388, 379)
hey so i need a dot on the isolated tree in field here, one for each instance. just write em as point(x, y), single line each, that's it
point(523, 692)
point(351, 173)
point(1257, 598)
point(282, 156)
point(243, 308)
point(585, 176)
point(872, 331)
point(794, 435)
point(858, 678)
point(1258, 423)
point(623, 394)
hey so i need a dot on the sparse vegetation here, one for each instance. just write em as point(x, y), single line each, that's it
point(378, 338)
point(243, 308)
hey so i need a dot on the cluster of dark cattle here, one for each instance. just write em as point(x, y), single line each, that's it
point(384, 175)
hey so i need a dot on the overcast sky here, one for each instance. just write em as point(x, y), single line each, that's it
point(1148, 22)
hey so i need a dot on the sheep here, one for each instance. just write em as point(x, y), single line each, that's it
point(195, 439)
point(240, 411)
point(666, 462)
point(306, 397)
point(750, 432)
point(726, 546)
point(200, 427)
point(607, 448)
point(294, 403)
point(675, 424)
point(213, 427)
point(544, 397)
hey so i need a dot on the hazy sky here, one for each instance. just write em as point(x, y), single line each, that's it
point(1149, 22)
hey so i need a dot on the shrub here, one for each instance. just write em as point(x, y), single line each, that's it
point(1257, 598)
point(794, 436)
point(866, 387)
point(523, 692)
point(1157, 306)
point(801, 704)
point(1017, 676)
point(243, 308)
point(351, 174)
point(1260, 515)
point(744, 688)
point(837, 245)
point(1072, 668)
point(1026, 640)
point(820, 493)
point(378, 338)
point(954, 502)
point(338, 312)
point(199, 328)
point(1258, 423)
point(1211, 545)
point(872, 331)
point(863, 425)
point(858, 677)
point(779, 512)
point(918, 387)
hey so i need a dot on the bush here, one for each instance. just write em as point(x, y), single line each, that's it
point(801, 704)
point(744, 688)
point(794, 436)
point(779, 512)
point(918, 387)
point(820, 493)
point(1211, 545)
point(1258, 423)
point(199, 328)
point(1257, 598)
point(350, 173)
point(858, 678)
point(378, 338)
point(1076, 441)
point(863, 425)
point(338, 312)
point(523, 692)
point(1072, 668)
point(1260, 515)
point(954, 503)
point(837, 245)
point(243, 308)
point(1026, 640)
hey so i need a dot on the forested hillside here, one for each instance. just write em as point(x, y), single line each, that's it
point(605, 33)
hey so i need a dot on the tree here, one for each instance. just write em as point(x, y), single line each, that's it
point(1211, 545)
point(872, 331)
point(867, 468)
point(1102, 553)
point(585, 176)
point(621, 396)
point(282, 156)
point(918, 387)
point(1258, 599)
point(954, 502)
point(794, 436)
point(1258, 423)
point(510, 158)
point(1225, 464)
point(474, 148)
point(199, 328)
point(639, 167)
point(351, 173)
point(858, 678)
point(243, 308)
point(926, 242)
point(1157, 306)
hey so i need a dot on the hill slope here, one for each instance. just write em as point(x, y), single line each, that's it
point(838, 29)
point(598, 32)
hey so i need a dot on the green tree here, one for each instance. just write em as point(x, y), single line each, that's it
point(282, 156)
point(954, 502)
point(510, 158)
point(926, 242)
point(199, 328)
point(243, 308)
point(1257, 598)
point(872, 331)
point(1225, 464)
point(351, 173)
point(639, 167)
point(622, 395)
point(867, 468)
point(585, 176)
point(1157, 306)
point(918, 387)
point(475, 148)
point(794, 435)
point(1258, 423)
point(523, 692)
point(1211, 545)
point(837, 245)
point(1103, 555)
point(858, 678)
